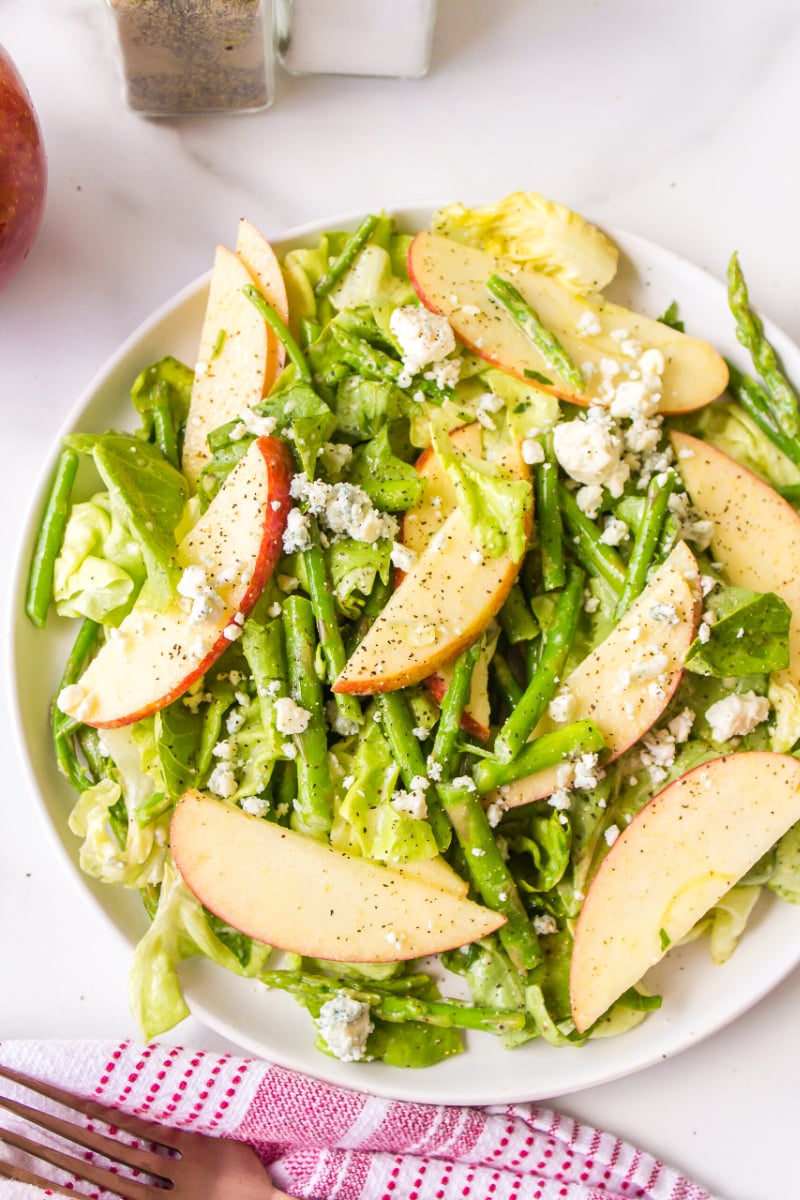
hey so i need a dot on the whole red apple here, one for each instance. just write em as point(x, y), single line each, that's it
point(23, 171)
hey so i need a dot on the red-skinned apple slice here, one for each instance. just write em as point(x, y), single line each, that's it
point(254, 875)
point(675, 861)
point(625, 684)
point(232, 361)
point(261, 261)
point(450, 279)
point(418, 526)
point(756, 532)
point(154, 657)
point(445, 601)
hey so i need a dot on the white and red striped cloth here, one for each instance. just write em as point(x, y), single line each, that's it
point(328, 1143)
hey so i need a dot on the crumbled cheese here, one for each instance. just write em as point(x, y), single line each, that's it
point(611, 834)
point(590, 603)
point(420, 732)
point(560, 799)
point(703, 632)
point(615, 532)
point(494, 814)
point(402, 556)
point(222, 781)
point(290, 717)
point(232, 632)
point(561, 708)
point(234, 720)
point(344, 1025)
point(532, 452)
point(666, 613)
point(275, 609)
point(587, 772)
point(223, 750)
point(297, 534)
point(194, 586)
point(544, 923)
point(588, 324)
point(736, 715)
point(255, 805)
point(253, 422)
point(288, 583)
point(413, 803)
point(589, 498)
point(681, 726)
point(344, 726)
point(464, 781)
point(434, 770)
point(590, 451)
point(424, 337)
point(342, 508)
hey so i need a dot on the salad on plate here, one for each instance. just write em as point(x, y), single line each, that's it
point(437, 636)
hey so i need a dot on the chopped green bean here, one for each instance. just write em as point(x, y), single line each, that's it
point(659, 491)
point(330, 635)
point(516, 618)
point(50, 538)
point(581, 737)
point(314, 803)
point(276, 324)
point(594, 555)
point(398, 727)
point(548, 520)
point(445, 746)
point(556, 645)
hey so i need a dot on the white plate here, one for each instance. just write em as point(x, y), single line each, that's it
point(699, 998)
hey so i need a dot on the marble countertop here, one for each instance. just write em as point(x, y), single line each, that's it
point(672, 121)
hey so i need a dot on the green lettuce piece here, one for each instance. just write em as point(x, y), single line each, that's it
point(749, 637)
point(166, 381)
point(537, 233)
point(140, 861)
point(726, 921)
point(304, 417)
point(364, 406)
point(493, 982)
point(391, 484)
point(785, 700)
point(785, 878)
point(100, 567)
point(371, 279)
point(149, 494)
point(728, 427)
point(495, 507)
point(178, 737)
point(354, 569)
point(302, 270)
point(540, 846)
point(181, 928)
point(365, 822)
point(529, 410)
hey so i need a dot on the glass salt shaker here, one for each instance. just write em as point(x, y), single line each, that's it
point(195, 56)
point(355, 37)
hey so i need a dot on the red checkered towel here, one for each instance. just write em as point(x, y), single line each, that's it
point(329, 1143)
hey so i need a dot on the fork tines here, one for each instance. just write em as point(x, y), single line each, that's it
point(151, 1163)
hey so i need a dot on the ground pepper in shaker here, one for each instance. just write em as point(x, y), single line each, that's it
point(355, 37)
point(195, 56)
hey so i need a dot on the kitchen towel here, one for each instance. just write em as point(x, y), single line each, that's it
point(327, 1143)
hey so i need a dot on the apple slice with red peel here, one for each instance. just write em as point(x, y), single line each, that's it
point(261, 261)
point(445, 601)
point(232, 361)
point(154, 657)
point(450, 278)
point(625, 684)
point(418, 526)
point(675, 861)
point(254, 875)
point(756, 532)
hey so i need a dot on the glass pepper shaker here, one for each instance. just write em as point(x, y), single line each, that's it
point(355, 37)
point(195, 56)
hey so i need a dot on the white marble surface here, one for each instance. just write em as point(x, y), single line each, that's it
point(673, 120)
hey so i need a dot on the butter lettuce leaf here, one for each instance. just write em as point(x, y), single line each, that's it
point(391, 484)
point(750, 635)
point(100, 567)
point(495, 506)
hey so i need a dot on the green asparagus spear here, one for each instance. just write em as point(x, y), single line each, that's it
point(373, 363)
point(314, 804)
point(62, 727)
point(595, 556)
point(263, 648)
point(398, 727)
point(755, 402)
point(506, 680)
point(445, 749)
point(750, 332)
point(489, 871)
point(330, 635)
point(582, 737)
point(659, 491)
point(49, 538)
point(546, 342)
point(555, 648)
point(516, 619)
point(352, 247)
point(164, 424)
point(295, 354)
point(548, 518)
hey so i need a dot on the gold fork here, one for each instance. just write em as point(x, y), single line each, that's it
point(187, 1166)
